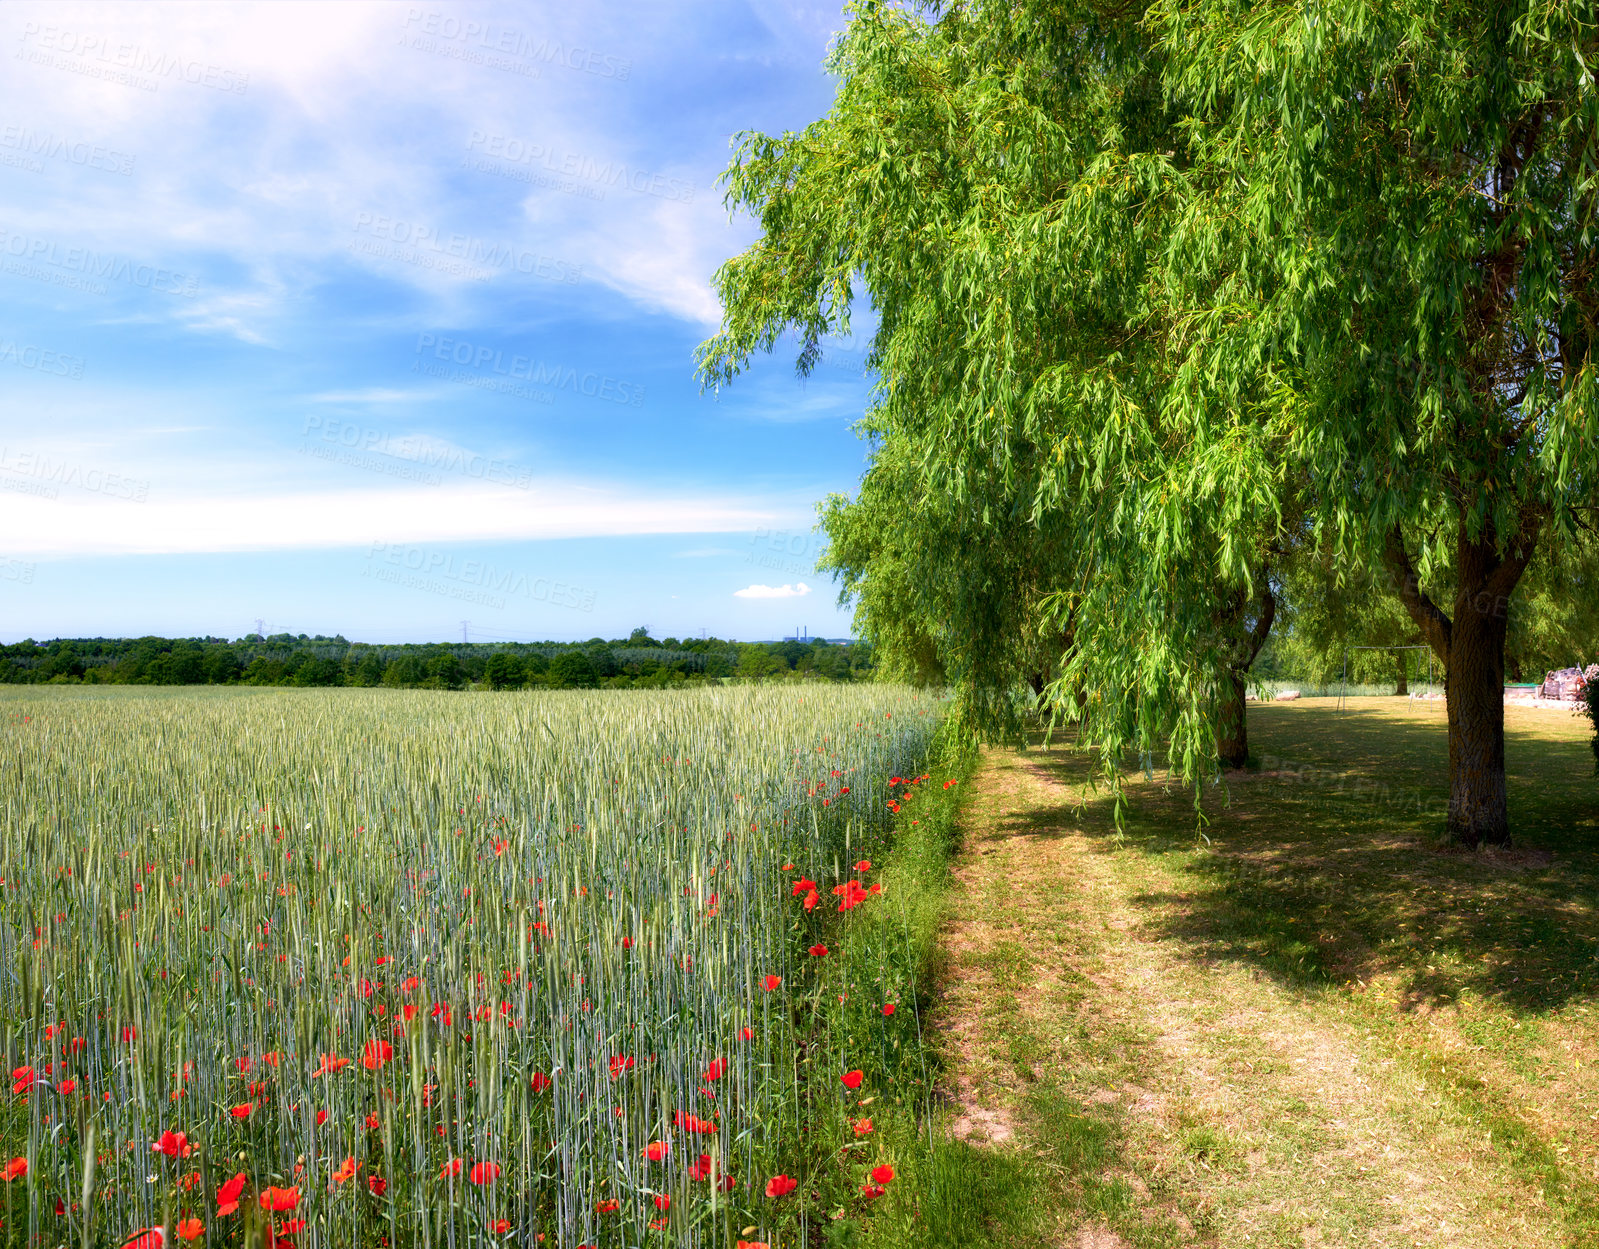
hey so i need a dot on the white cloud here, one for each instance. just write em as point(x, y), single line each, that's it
point(257, 190)
point(662, 255)
point(773, 591)
point(81, 524)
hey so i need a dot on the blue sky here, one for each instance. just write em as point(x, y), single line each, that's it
point(377, 318)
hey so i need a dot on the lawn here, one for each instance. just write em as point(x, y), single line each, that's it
point(1303, 1023)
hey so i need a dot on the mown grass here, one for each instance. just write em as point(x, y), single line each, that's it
point(1319, 901)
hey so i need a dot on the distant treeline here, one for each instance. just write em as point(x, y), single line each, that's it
point(287, 659)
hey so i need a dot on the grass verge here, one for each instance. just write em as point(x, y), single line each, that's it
point(944, 1191)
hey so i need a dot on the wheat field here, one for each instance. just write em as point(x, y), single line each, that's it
point(343, 967)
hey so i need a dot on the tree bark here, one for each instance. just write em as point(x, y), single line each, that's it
point(1232, 735)
point(1232, 740)
point(1472, 648)
point(1474, 686)
point(1401, 677)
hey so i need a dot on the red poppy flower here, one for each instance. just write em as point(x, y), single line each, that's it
point(330, 1063)
point(346, 1171)
point(451, 1168)
point(872, 1191)
point(228, 1195)
point(780, 1185)
point(243, 1110)
point(376, 1054)
point(818, 951)
point(485, 1172)
point(656, 1150)
point(499, 1226)
point(279, 1199)
point(851, 893)
point(540, 1081)
point(811, 899)
point(627, 943)
point(373, 1122)
point(663, 1202)
point(800, 886)
point(888, 1008)
point(190, 1229)
point(686, 1122)
point(862, 1127)
point(14, 1170)
point(882, 1174)
point(715, 1070)
point(173, 1145)
point(752, 1244)
point(608, 1206)
point(24, 1079)
point(619, 1065)
point(852, 1079)
point(701, 1170)
point(377, 1184)
point(321, 1117)
point(771, 982)
point(865, 865)
point(65, 1087)
point(147, 1238)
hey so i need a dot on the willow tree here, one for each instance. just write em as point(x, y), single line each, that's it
point(1418, 181)
point(944, 597)
point(991, 179)
point(1142, 265)
point(1555, 621)
point(1349, 616)
point(1347, 623)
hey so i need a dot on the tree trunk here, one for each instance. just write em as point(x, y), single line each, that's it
point(1232, 721)
point(1474, 685)
point(1401, 677)
point(1472, 647)
point(1232, 739)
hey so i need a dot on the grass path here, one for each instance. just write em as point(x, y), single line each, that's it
point(1125, 1014)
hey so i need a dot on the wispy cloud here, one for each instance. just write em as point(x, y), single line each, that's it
point(344, 518)
point(261, 186)
point(302, 201)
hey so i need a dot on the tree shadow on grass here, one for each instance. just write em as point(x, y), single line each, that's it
point(1324, 867)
